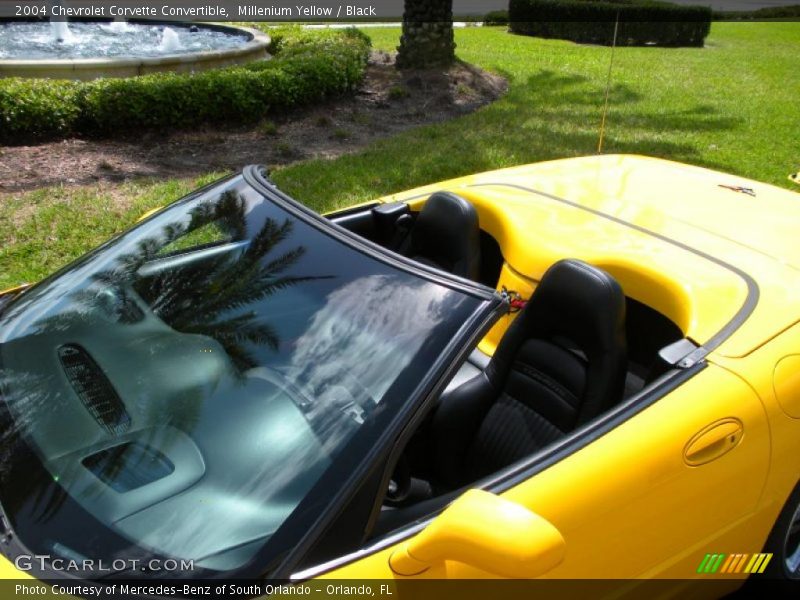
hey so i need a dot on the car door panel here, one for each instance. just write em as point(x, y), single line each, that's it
point(629, 505)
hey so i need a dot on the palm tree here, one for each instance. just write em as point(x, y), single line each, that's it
point(427, 38)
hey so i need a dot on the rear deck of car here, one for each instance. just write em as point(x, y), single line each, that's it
point(715, 253)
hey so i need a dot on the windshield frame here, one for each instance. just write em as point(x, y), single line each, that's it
point(256, 176)
point(385, 448)
point(469, 333)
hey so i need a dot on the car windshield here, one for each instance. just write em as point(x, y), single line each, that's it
point(207, 381)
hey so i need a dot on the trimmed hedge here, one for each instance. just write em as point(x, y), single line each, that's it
point(496, 17)
point(307, 66)
point(769, 13)
point(641, 22)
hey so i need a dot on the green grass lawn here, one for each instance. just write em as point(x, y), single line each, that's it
point(732, 105)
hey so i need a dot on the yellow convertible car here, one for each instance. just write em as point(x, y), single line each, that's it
point(585, 368)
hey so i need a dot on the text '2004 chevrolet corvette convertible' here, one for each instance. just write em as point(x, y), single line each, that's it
point(529, 372)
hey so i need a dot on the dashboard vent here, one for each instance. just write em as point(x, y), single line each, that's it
point(94, 389)
point(129, 466)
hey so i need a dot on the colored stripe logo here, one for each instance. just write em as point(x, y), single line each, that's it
point(733, 563)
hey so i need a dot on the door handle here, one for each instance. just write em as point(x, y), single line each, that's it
point(713, 441)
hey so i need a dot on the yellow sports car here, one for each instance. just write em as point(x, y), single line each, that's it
point(585, 368)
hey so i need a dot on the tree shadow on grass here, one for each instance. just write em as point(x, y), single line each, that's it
point(566, 112)
point(548, 116)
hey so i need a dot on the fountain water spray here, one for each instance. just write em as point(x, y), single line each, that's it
point(59, 30)
point(170, 42)
point(118, 25)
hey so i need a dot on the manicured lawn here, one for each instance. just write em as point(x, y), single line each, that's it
point(43, 230)
point(732, 105)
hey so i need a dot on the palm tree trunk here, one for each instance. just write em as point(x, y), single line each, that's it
point(427, 38)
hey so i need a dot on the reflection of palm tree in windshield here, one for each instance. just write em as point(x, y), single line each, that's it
point(31, 393)
point(204, 297)
point(209, 296)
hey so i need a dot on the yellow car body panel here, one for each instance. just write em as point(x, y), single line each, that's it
point(628, 513)
point(644, 499)
point(9, 571)
point(629, 505)
point(628, 200)
point(15, 289)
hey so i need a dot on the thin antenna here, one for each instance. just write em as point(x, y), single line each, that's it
point(608, 87)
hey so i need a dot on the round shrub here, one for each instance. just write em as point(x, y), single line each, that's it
point(307, 66)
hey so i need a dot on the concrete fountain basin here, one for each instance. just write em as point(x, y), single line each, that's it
point(173, 58)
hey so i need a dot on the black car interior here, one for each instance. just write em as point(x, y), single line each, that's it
point(561, 363)
point(445, 234)
point(577, 348)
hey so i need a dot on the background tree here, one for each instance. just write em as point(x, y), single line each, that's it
point(427, 38)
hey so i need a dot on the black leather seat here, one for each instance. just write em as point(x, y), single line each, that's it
point(446, 236)
point(561, 363)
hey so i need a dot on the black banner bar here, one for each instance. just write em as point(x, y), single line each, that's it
point(400, 589)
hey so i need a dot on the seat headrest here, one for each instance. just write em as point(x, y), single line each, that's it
point(580, 302)
point(581, 309)
point(447, 232)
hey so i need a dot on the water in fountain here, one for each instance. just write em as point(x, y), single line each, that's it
point(37, 40)
point(59, 32)
point(170, 42)
point(117, 26)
